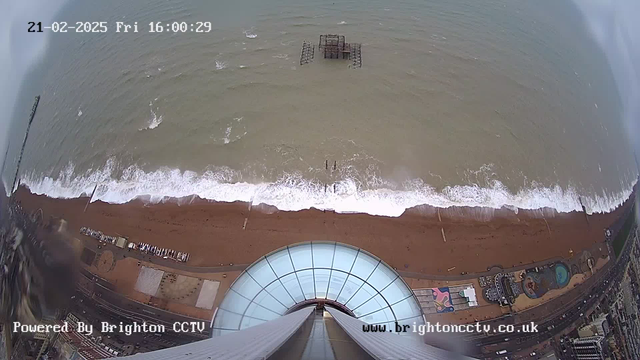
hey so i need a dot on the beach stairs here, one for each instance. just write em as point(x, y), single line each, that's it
point(308, 53)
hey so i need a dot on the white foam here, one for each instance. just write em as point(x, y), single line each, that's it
point(293, 192)
point(220, 65)
point(154, 121)
point(342, 23)
point(79, 112)
point(250, 34)
point(226, 135)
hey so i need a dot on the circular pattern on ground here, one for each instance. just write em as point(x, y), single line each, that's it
point(537, 283)
point(530, 285)
point(562, 275)
point(105, 262)
point(178, 287)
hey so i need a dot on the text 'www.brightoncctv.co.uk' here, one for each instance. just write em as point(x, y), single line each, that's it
point(477, 328)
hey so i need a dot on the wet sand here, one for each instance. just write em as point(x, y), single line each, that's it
point(213, 232)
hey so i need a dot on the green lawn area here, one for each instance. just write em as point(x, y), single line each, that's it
point(618, 242)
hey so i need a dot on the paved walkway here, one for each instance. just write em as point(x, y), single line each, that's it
point(119, 254)
point(492, 270)
point(136, 254)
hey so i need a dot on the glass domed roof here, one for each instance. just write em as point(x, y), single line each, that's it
point(338, 274)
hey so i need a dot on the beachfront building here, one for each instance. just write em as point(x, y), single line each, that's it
point(589, 348)
point(314, 300)
point(598, 326)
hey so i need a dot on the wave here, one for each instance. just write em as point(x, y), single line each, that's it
point(250, 34)
point(220, 65)
point(155, 120)
point(292, 192)
point(227, 134)
point(304, 24)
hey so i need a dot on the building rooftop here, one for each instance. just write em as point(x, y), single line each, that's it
point(340, 275)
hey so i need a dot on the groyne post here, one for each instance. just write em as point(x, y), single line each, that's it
point(90, 198)
point(326, 170)
point(330, 176)
point(246, 219)
point(584, 210)
point(441, 227)
point(548, 228)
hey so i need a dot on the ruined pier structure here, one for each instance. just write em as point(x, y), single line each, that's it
point(333, 47)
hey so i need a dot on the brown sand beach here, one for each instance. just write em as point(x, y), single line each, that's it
point(213, 232)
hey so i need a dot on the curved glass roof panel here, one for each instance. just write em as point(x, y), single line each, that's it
point(359, 282)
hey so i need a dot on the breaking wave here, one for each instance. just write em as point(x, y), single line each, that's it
point(154, 121)
point(220, 65)
point(293, 192)
point(250, 34)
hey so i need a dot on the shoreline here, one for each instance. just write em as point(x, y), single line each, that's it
point(423, 240)
point(296, 194)
point(462, 212)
